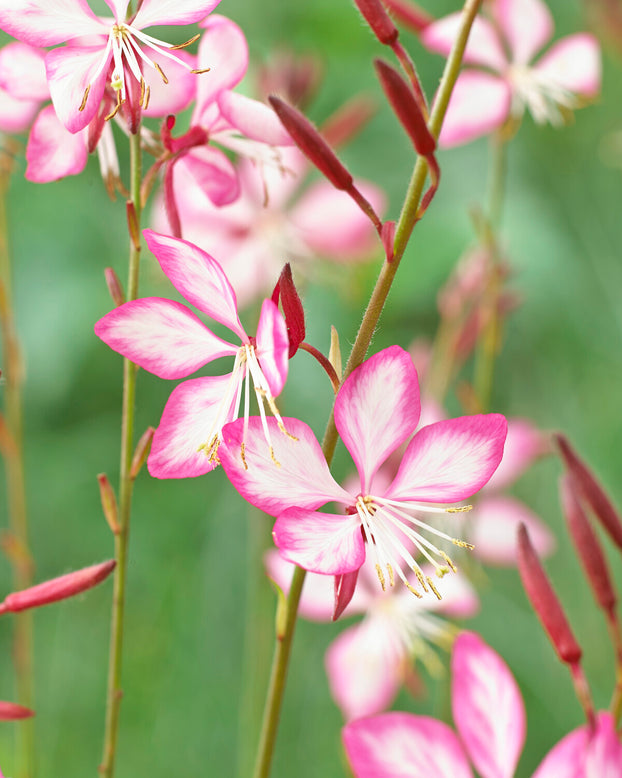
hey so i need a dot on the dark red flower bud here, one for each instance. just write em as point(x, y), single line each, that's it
point(378, 19)
point(11, 711)
point(409, 14)
point(292, 308)
point(544, 600)
point(406, 108)
point(586, 485)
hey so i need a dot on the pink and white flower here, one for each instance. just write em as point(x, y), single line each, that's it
point(117, 52)
point(489, 714)
point(167, 339)
point(503, 86)
point(376, 410)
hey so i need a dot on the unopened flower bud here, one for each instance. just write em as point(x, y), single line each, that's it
point(588, 548)
point(409, 14)
point(378, 19)
point(544, 600)
point(347, 120)
point(334, 354)
point(109, 503)
point(11, 711)
point(114, 286)
point(143, 447)
point(132, 224)
point(388, 239)
point(590, 490)
point(58, 588)
point(292, 308)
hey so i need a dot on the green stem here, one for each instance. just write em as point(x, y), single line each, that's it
point(126, 484)
point(405, 225)
point(16, 487)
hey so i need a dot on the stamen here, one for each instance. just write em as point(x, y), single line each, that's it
point(85, 98)
point(273, 458)
point(462, 544)
point(243, 455)
point(189, 42)
point(147, 96)
point(391, 574)
point(198, 72)
point(142, 92)
point(161, 72)
point(449, 562)
point(460, 509)
point(421, 579)
point(413, 590)
point(115, 110)
point(434, 589)
point(381, 577)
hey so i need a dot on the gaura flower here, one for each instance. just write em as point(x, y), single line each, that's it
point(376, 410)
point(117, 52)
point(489, 714)
point(504, 86)
point(167, 339)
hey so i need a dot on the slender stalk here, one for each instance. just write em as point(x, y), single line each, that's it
point(126, 484)
point(406, 223)
point(17, 542)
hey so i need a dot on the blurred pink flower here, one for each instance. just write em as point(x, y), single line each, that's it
point(167, 339)
point(482, 101)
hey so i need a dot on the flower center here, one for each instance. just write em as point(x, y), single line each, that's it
point(392, 533)
point(545, 98)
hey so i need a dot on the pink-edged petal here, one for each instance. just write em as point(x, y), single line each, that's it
point(483, 47)
point(22, 72)
point(47, 22)
point(198, 277)
point(273, 346)
point(377, 408)
point(567, 758)
point(526, 25)
point(180, 90)
point(301, 478)
point(162, 336)
point(156, 12)
point(214, 173)
point(16, 115)
point(188, 422)
point(223, 49)
point(524, 444)
point(479, 103)
point(604, 751)
point(450, 460)
point(52, 151)
point(326, 543)
point(254, 119)
point(401, 745)
point(365, 666)
point(333, 226)
point(487, 707)
point(574, 64)
point(118, 8)
point(70, 71)
point(493, 527)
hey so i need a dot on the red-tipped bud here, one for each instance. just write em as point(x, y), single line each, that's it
point(58, 588)
point(132, 224)
point(292, 308)
point(378, 19)
point(11, 711)
point(312, 144)
point(588, 548)
point(143, 447)
point(545, 601)
point(409, 14)
point(109, 503)
point(114, 286)
point(342, 125)
point(586, 485)
point(406, 108)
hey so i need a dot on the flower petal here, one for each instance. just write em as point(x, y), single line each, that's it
point(223, 49)
point(22, 72)
point(450, 460)
point(526, 24)
point(567, 758)
point(70, 71)
point(487, 707)
point(253, 119)
point(214, 173)
point(377, 408)
point(493, 527)
point(483, 47)
point(52, 151)
point(198, 277)
point(401, 745)
point(47, 22)
point(273, 346)
point(118, 8)
point(604, 752)
point(187, 423)
point(156, 12)
point(162, 336)
point(524, 444)
point(326, 543)
point(573, 63)
point(16, 115)
point(479, 103)
point(301, 478)
point(180, 90)
point(364, 666)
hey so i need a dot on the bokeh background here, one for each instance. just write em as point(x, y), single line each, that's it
point(200, 611)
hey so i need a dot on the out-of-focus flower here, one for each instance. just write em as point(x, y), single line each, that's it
point(484, 99)
point(167, 339)
point(376, 410)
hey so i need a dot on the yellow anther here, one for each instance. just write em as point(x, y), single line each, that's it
point(142, 92)
point(85, 98)
point(413, 590)
point(449, 562)
point(460, 509)
point(243, 455)
point(161, 72)
point(187, 43)
point(147, 96)
point(381, 577)
point(421, 579)
point(115, 110)
point(273, 458)
point(198, 72)
point(434, 589)
point(391, 574)
point(462, 544)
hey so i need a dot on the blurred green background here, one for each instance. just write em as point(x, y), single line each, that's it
point(196, 663)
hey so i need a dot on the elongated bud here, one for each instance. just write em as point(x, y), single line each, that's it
point(312, 144)
point(143, 447)
point(545, 601)
point(588, 548)
point(406, 108)
point(409, 14)
point(109, 503)
point(132, 224)
point(58, 588)
point(292, 308)
point(11, 711)
point(592, 492)
point(388, 239)
point(114, 286)
point(348, 120)
point(378, 19)
point(334, 354)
